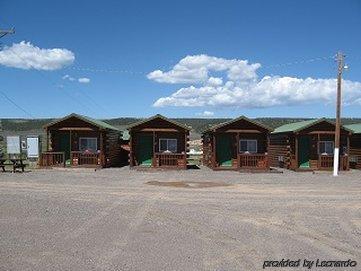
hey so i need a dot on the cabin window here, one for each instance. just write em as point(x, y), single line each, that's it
point(248, 145)
point(326, 147)
point(167, 145)
point(88, 144)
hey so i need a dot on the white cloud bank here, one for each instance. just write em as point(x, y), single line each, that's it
point(206, 114)
point(84, 80)
point(26, 56)
point(240, 86)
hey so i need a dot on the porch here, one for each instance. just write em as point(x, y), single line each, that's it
point(314, 151)
point(251, 161)
point(74, 146)
point(159, 149)
point(77, 158)
point(240, 151)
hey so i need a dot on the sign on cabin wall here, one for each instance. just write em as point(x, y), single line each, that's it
point(32, 146)
point(13, 144)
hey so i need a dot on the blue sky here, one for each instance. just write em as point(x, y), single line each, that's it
point(135, 38)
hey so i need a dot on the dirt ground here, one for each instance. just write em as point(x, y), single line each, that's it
point(121, 219)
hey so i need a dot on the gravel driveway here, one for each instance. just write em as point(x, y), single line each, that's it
point(113, 219)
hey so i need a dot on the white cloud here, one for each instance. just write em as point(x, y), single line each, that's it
point(205, 114)
point(240, 86)
point(84, 80)
point(68, 77)
point(26, 56)
point(195, 69)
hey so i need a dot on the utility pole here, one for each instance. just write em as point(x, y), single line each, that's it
point(340, 61)
point(6, 31)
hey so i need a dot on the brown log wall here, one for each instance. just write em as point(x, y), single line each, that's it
point(355, 151)
point(280, 147)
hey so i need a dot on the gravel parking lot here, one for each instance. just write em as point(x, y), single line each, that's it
point(111, 219)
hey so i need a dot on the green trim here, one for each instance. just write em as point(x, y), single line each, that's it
point(158, 116)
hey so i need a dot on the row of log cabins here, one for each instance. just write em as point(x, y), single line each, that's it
point(239, 144)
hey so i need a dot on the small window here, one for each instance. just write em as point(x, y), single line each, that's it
point(326, 147)
point(167, 145)
point(88, 144)
point(248, 145)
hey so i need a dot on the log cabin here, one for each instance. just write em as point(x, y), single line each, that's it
point(239, 144)
point(308, 145)
point(158, 142)
point(355, 145)
point(78, 140)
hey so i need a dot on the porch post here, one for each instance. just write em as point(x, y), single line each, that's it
point(102, 160)
point(348, 152)
point(186, 149)
point(130, 150)
point(268, 142)
point(214, 150)
point(47, 139)
point(153, 159)
point(237, 152)
point(70, 145)
point(318, 151)
point(296, 151)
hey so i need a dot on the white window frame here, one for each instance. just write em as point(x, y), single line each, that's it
point(168, 139)
point(96, 142)
point(248, 140)
point(325, 141)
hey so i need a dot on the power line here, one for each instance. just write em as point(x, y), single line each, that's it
point(15, 104)
point(132, 72)
point(4, 32)
point(298, 62)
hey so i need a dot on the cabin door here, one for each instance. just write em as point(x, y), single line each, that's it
point(145, 150)
point(64, 144)
point(224, 150)
point(304, 152)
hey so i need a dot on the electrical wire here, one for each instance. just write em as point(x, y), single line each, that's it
point(16, 105)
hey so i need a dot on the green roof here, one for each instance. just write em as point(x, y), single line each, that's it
point(220, 125)
point(98, 123)
point(301, 125)
point(296, 126)
point(160, 117)
point(355, 128)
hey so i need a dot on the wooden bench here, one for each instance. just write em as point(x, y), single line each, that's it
point(15, 163)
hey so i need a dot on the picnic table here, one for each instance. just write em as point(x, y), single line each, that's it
point(14, 162)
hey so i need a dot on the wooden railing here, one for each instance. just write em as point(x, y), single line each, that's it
point(176, 160)
point(326, 162)
point(52, 159)
point(253, 160)
point(79, 158)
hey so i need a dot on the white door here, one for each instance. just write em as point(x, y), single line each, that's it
point(33, 147)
